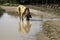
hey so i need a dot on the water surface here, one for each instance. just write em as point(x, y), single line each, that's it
point(9, 28)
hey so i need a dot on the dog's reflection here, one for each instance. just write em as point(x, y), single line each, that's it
point(24, 27)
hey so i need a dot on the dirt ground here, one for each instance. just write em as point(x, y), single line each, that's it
point(51, 31)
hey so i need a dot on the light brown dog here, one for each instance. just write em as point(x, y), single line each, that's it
point(23, 11)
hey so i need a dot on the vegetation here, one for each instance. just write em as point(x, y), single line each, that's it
point(8, 1)
point(1, 11)
point(30, 1)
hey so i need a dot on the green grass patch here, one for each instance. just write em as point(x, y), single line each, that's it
point(1, 11)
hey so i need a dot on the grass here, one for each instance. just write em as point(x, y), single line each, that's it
point(1, 11)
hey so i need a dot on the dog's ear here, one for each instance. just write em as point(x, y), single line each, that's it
point(28, 10)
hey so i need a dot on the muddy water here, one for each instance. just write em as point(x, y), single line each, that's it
point(9, 28)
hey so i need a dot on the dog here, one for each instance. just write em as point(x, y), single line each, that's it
point(24, 12)
point(24, 15)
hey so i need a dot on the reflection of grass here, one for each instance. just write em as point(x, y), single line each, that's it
point(52, 29)
point(1, 14)
point(13, 14)
point(1, 11)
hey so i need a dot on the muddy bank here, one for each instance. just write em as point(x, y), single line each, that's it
point(33, 11)
point(50, 31)
point(9, 8)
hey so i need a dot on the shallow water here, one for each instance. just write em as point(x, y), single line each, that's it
point(9, 28)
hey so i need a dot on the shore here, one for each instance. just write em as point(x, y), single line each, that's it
point(33, 11)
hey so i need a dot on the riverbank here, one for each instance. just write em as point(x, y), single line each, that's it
point(33, 11)
point(46, 10)
point(50, 31)
point(9, 8)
